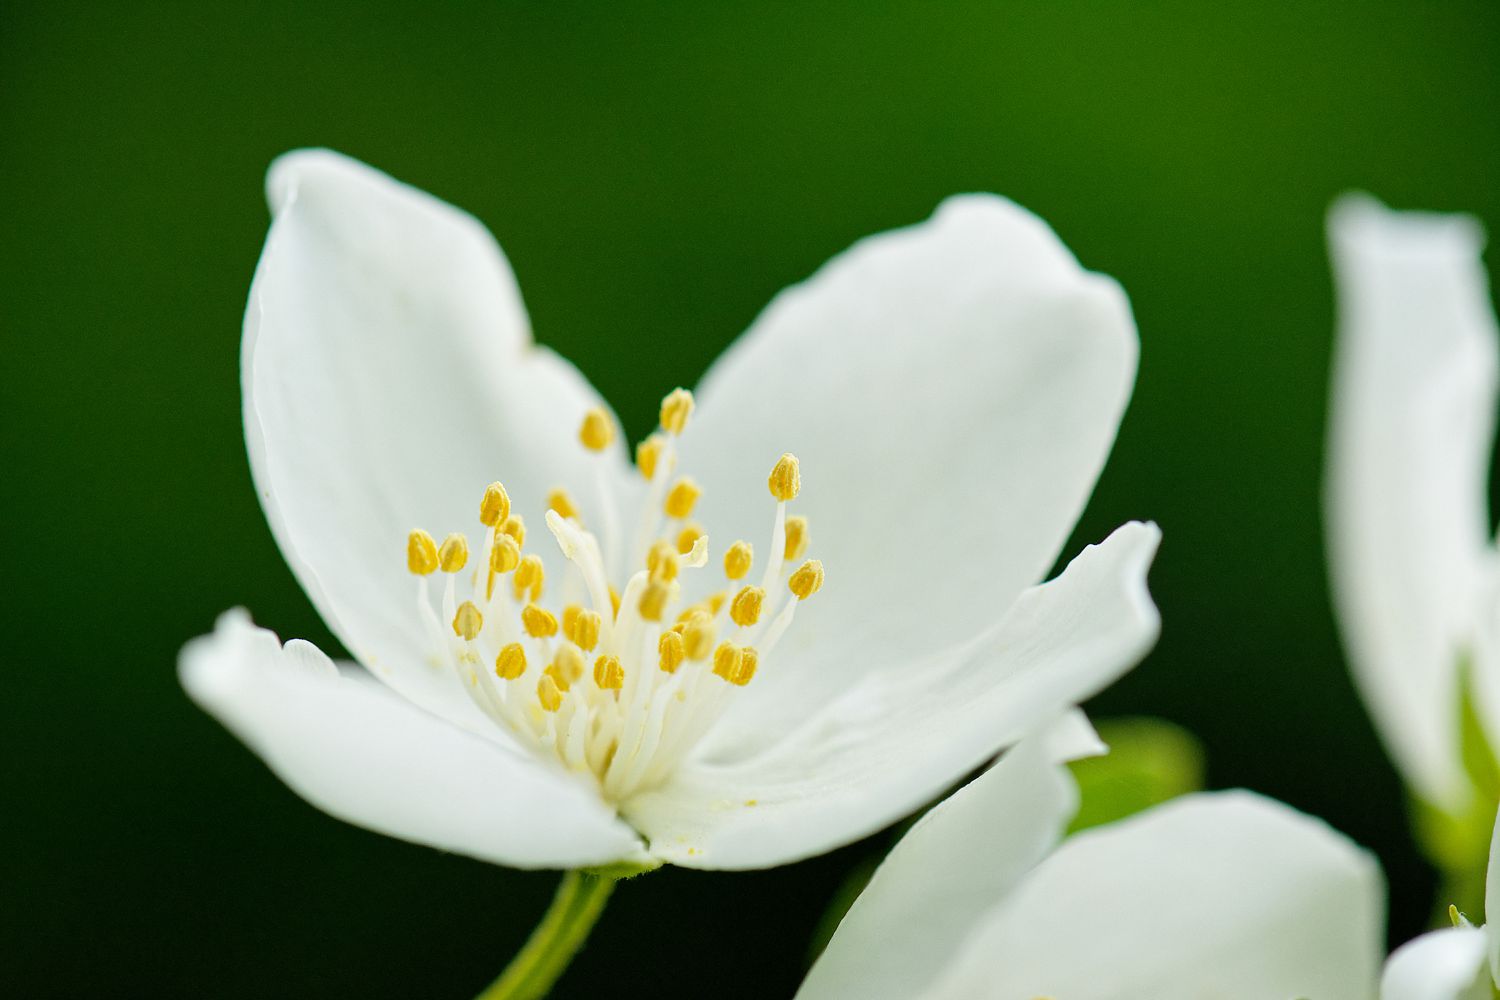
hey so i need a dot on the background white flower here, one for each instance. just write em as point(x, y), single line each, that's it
point(952, 390)
point(1226, 895)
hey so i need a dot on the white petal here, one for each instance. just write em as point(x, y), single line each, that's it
point(952, 390)
point(389, 376)
point(901, 737)
point(1409, 453)
point(363, 754)
point(1492, 902)
point(1226, 895)
point(1440, 965)
point(953, 866)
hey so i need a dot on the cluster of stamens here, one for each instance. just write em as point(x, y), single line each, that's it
point(619, 684)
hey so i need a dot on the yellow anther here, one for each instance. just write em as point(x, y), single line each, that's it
point(698, 637)
point(744, 611)
point(421, 553)
point(749, 660)
point(663, 562)
point(468, 621)
point(682, 497)
point(614, 601)
point(796, 538)
point(688, 537)
point(570, 619)
point(454, 554)
point(505, 554)
point(654, 600)
point(529, 577)
point(609, 674)
point(670, 652)
point(597, 430)
point(586, 630)
point(693, 612)
point(548, 693)
point(495, 507)
point(539, 623)
point(675, 410)
point(561, 501)
point(648, 453)
point(515, 528)
point(807, 580)
point(727, 660)
point(568, 664)
point(511, 663)
point(737, 560)
point(716, 601)
point(786, 478)
point(557, 676)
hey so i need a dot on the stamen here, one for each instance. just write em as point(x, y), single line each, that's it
point(421, 553)
point(597, 431)
point(529, 577)
point(586, 630)
point(539, 623)
point(670, 652)
point(675, 410)
point(744, 611)
point(570, 619)
point(511, 663)
point(663, 562)
point(609, 674)
point(568, 664)
point(688, 538)
point(515, 527)
point(749, 660)
point(737, 560)
point(614, 601)
point(495, 507)
point(727, 661)
point(548, 693)
point(468, 621)
point(561, 501)
point(505, 555)
point(681, 498)
point(454, 554)
point(796, 538)
point(647, 453)
point(654, 601)
point(807, 580)
point(698, 636)
point(786, 478)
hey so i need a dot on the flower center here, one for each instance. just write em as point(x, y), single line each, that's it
point(618, 684)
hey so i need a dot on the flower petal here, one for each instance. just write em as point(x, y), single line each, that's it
point(1218, 895)
point(1440, 965)
point(359, 752)
point(952, 390)
point(389, 375)
point(953, 866)
point(899, 738)
point(1412, 425)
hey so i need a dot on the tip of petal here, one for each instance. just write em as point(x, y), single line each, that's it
point(1359, 222)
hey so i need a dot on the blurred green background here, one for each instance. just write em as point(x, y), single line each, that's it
point(656, 172)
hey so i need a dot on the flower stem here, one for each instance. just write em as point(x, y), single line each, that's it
point(537, 966)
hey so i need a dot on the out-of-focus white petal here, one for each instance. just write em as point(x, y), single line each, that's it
point(952, 390)
point(1222, 895)
point(1440, 965)
point(389, 375)
point(1410, 435)
point(900, 737)
point(356, 750)
point(951, 868)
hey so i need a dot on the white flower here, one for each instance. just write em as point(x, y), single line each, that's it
point(1225, 895)
point(952, 390)
point(1458, 963)
point(1411, 438)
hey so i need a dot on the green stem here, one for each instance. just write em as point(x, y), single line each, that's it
point(537, 966)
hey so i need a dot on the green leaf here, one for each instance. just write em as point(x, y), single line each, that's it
point(1149, 762)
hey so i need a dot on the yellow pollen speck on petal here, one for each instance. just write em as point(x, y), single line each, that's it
point(421, 553)
point(749, 660)
point(675, 410)
point(654, 601)
point(786, 478)
point(609, 674)
point(511, 663)
point(614, 601)
point(796, 538)
point(569, 665)
point(744, 611)
point(648, 453)
point(663, 562)
point(586, 630)
point(515, 528)
point(698, 637)
point(505, 555)
point(570, 619)
point(681, 498)
point(737, 560)
point(529, 577)
point(561, 501)
point(727, 661)
point(807, 580)
point(597, 430)
point(454, 554)
point(548, 693)
point(688, 537)
point(495, 507)
point(670, 652)
point(468, 621)
point(539, 623)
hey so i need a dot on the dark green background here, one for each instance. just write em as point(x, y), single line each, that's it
point(656, 172)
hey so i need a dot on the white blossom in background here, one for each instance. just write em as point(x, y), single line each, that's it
point(1225, 895)
point(925, 417)
point(1411, 437)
